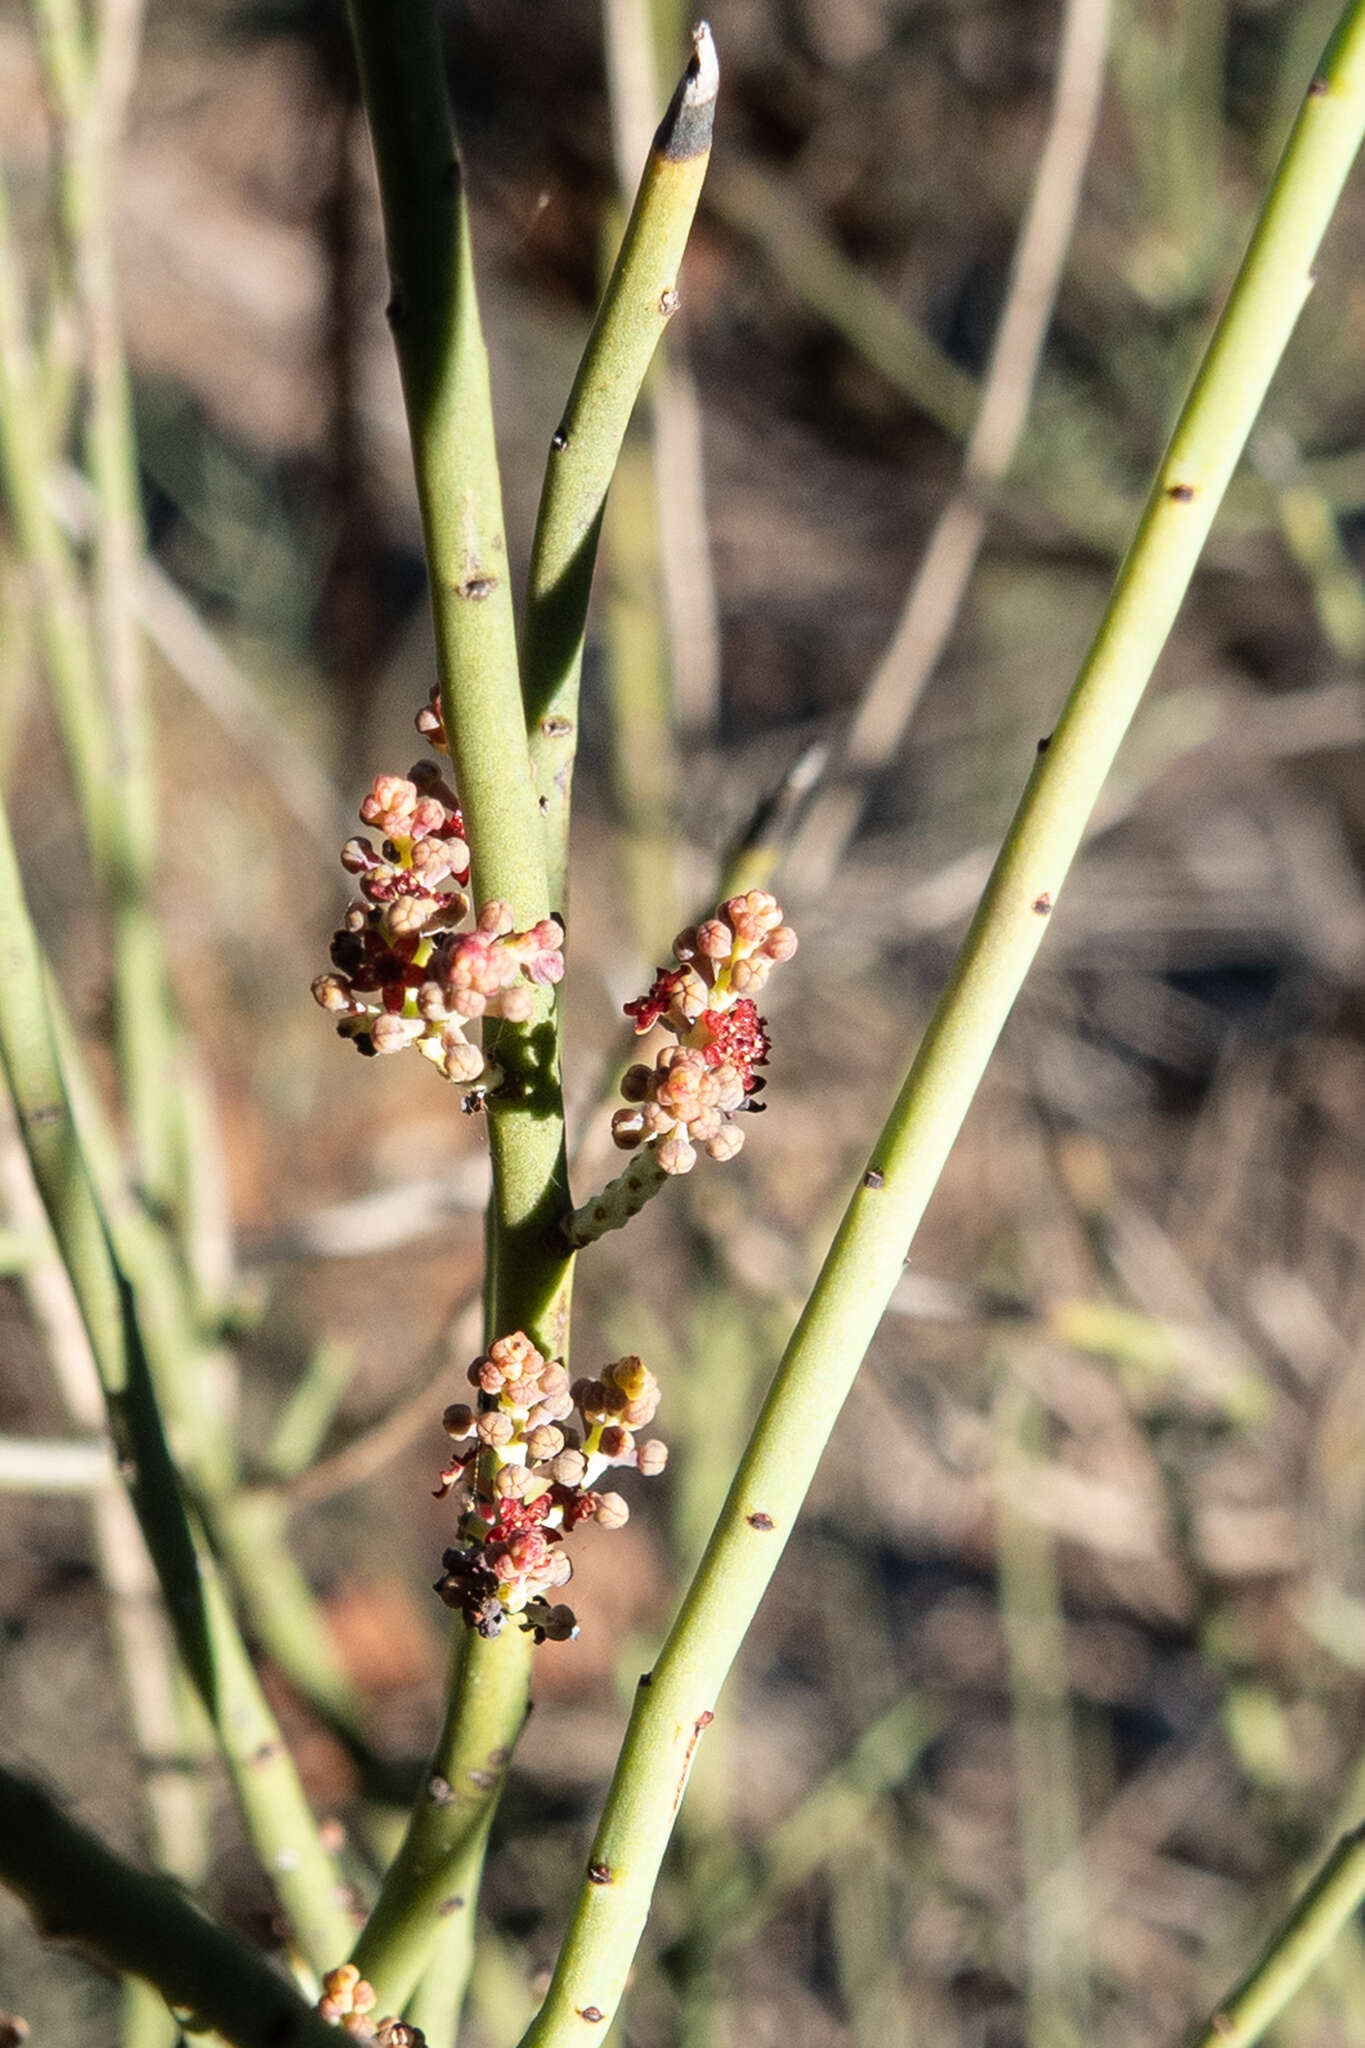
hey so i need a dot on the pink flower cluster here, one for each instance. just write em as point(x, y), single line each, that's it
point(403, 974)
point(524, 1476)
point(692, 1093)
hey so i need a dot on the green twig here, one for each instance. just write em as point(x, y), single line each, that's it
point(639, 301)
point(676, 1700)
point(444, 369)
point(87, 93)
point(1044, 1744)
point(437, 1864)
point(1293, 1951)
point(263, 1775)
point(78, 1890)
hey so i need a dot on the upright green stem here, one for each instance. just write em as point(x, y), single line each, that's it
point(267, 1786)
point(676, 1701)
point(639, 301)
point(1294, 1950)
point(444, 368)
point(87, 113)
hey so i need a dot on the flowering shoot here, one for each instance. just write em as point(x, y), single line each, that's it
point(403, 973)
point(524, 1475)
point(689, 1099)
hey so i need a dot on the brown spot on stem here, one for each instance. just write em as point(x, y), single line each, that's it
point(1045, 742)
point(1181, 493)
point(440, 1791)
point(450, 1905)
point(874, 1178)
point(556, 726)
point(758, 1520)
point(1042, 905)
point(669, 303)
point(559, 440)
point(264, 1753)
point(476, 588)
point(593, 2014)
point(44, 1113)
point(599, 1873)
point(1319, 89)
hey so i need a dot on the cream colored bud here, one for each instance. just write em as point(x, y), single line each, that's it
point(611, 1511)
point(651, 1457)
point(675, 1155)
point(727, 1142)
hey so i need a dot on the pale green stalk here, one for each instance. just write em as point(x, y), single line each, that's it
point(1045, 1762)
point(78, 1890)
point(267, 1786)
point(640, 299)
point(87, 94)
point(676, 1701)
point(1293, 1951)
point(444, 368)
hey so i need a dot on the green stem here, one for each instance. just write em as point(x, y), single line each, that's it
point(438, 2002)
point(1294, 1950)
point(79, 1890)
point(263, 1775)
point(63, 624)
point(432, 1875)
point(434, 316)
point(637, 305)
point(444, 370)
point(86, 120)
point(676, 1700)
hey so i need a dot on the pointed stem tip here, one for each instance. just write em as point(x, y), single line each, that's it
point(702, 79)
point(685, 130)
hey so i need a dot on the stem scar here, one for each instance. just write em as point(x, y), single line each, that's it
point(599, 1873)
point(758, 1520)
point(874, 1178)
point(1181, 493)
point(592, 2014)
point(703, 1721)
point(476, 588)
point(1042, 905)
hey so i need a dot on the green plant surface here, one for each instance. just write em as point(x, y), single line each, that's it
point(264, 1778)
point(78, 1890)
point(676, 1700)
point(640, 299)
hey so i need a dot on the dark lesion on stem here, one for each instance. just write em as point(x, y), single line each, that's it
point(685, 130)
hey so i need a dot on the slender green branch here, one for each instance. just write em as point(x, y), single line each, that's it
point(1294, 1950)
point(444, 369)
point(263, 1775)
point(434, 316)
point(675, 1702)
point(639, 301)
point(64, 626)
point(87, 98)
point(45, 1464)
point(435, 1872)
point(438, 2002)
point(78, 1890)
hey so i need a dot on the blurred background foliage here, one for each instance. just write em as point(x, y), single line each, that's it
point(1063, 1676)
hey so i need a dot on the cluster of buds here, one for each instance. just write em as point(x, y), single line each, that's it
point(524, 1475)
point(348, 2002)
point(403, 973)
point(692, 1093)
